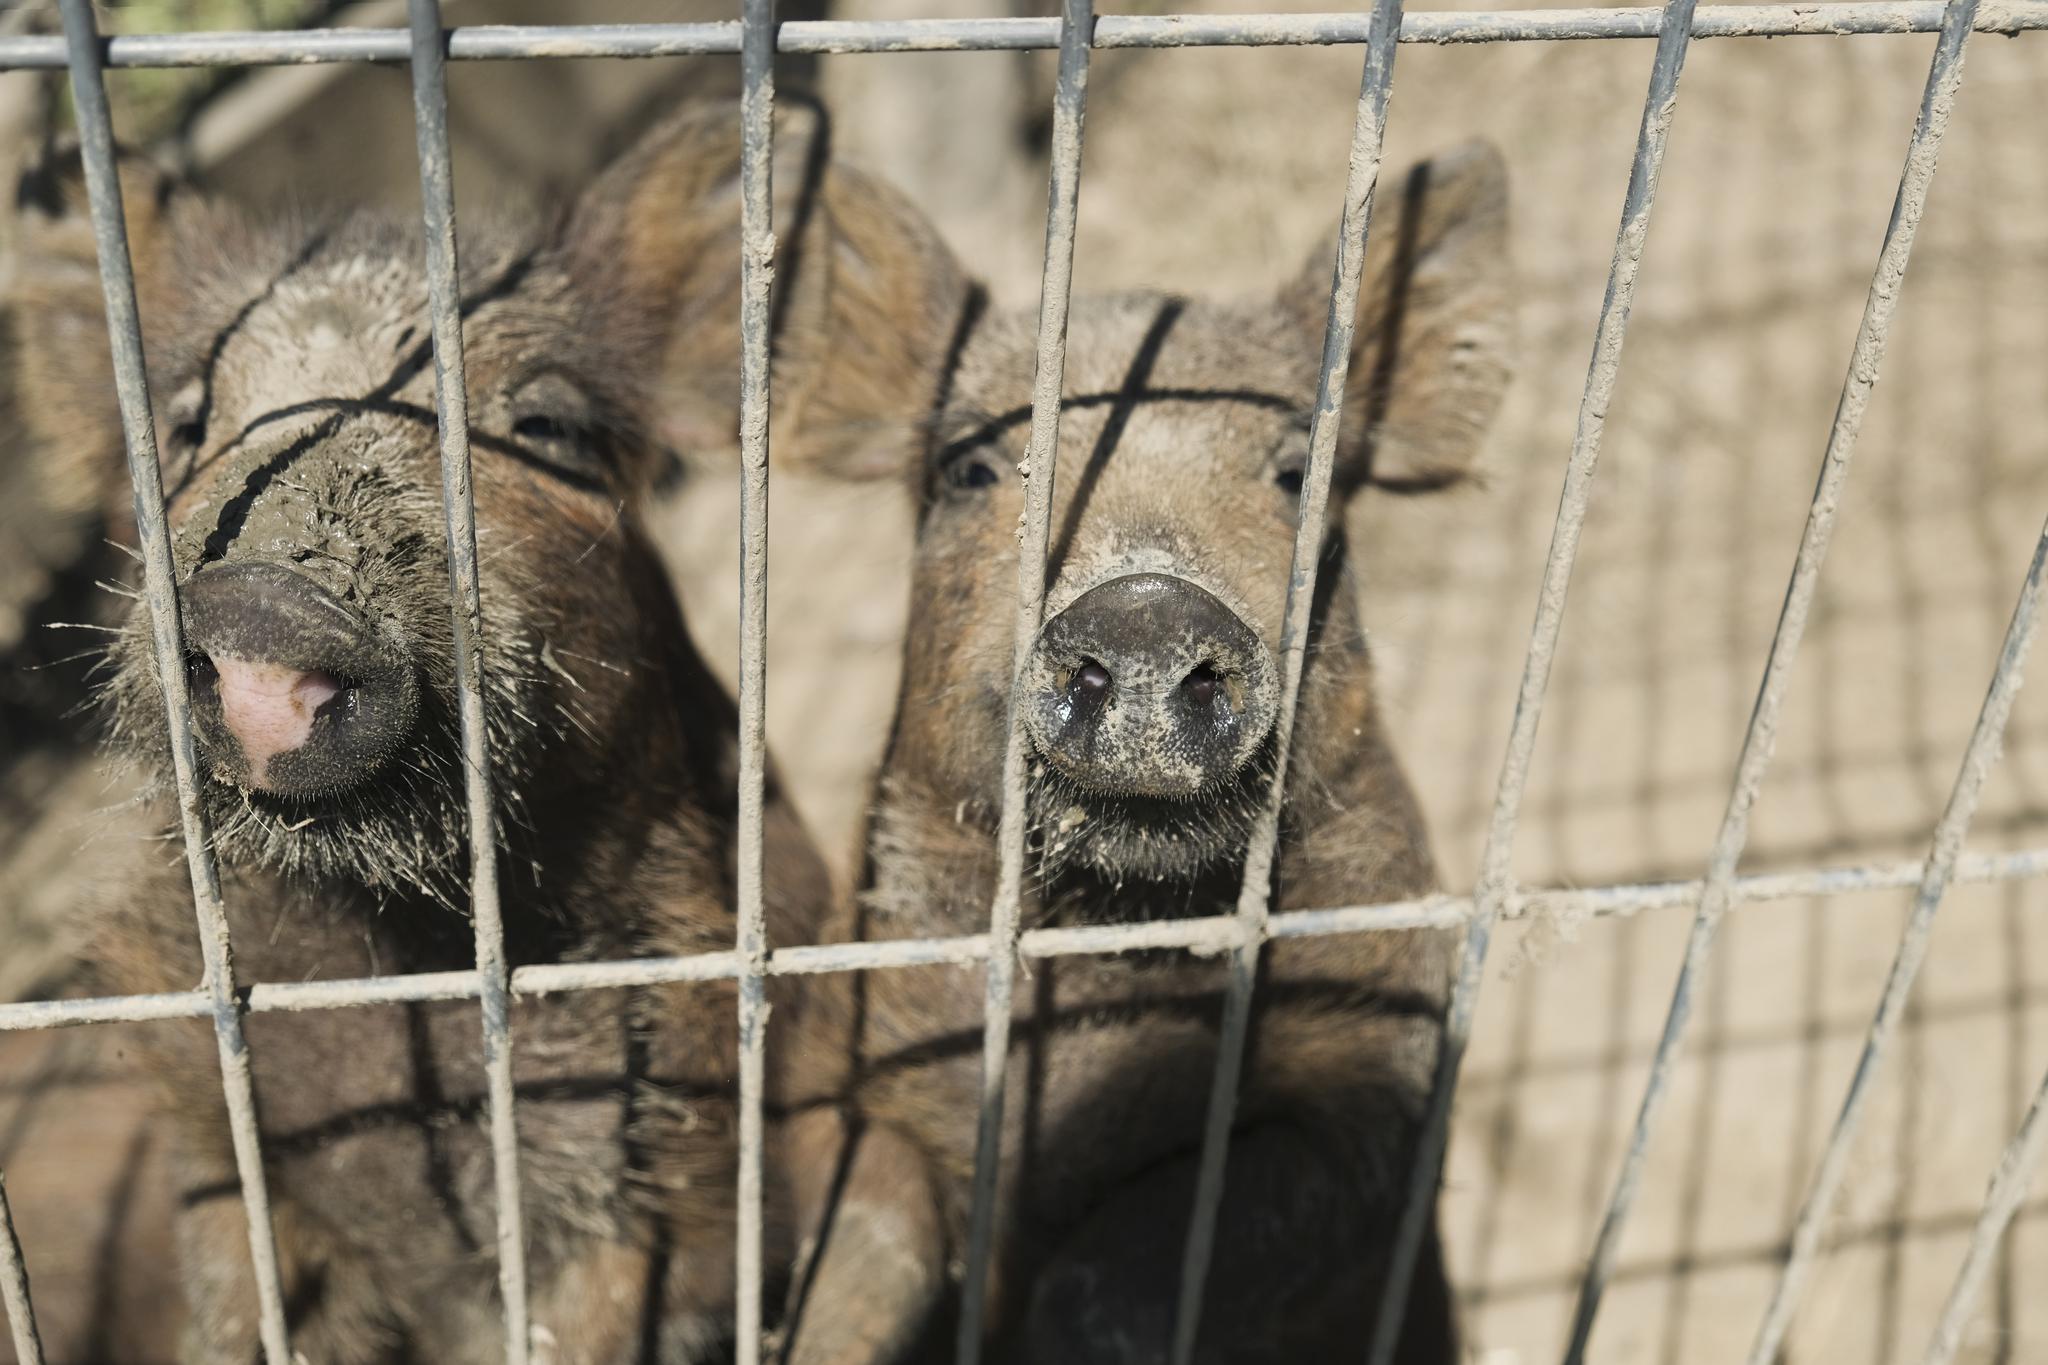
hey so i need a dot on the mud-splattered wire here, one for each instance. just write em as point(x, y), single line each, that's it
point(756, 38)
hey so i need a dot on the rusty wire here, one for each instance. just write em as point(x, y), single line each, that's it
point(21, 1313)
point(757, 262)
point(451, 406)
point(506, 42)
point(1944, 77)
point(427, 45)
point(160, 592)
point(1041, 462)
point(1254, 900)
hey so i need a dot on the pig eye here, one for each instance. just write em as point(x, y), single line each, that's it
point(550, 421)
point(186, 430)
point(1289, 462)
point(543, 429)
point(971, 469)
point(185, 438)
point(565, 444)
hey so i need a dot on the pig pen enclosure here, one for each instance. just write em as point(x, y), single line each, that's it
point(1783, 1174)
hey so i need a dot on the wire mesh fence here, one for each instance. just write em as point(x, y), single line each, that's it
point(756, 39)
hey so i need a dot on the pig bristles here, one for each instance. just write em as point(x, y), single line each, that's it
point(1217, 826)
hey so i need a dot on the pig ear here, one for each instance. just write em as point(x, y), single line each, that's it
point(59, 375)
point(63, 470)
point(866, 296)
point(56, 265)
point(874, 313)
point(656, 239)
point(1432, 352)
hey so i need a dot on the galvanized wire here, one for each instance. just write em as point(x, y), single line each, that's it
point(160, 591)
point(21, 1313)
point(1254, 898)
point(2008, 1187)
point(451, 404)
point(490, 42)
point(1041, 462)
point(426, 46)
point(1944, 75)
point(1210, 934)
point(757, 267)
point(1978, 759)
point(1496, 865)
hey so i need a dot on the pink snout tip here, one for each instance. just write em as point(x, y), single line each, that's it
point(269, 708)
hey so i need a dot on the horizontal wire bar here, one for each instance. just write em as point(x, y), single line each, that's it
point(1978, 758)
point(458, 506)
point(1496, 880)
point(1211, 934)
point(167, 637)
point(1759, 740)
point(1255, 892)
point(2008, 1187)
point(495, 42)
point(21, 1313)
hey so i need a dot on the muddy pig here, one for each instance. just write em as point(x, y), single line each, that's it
point(1149, 699)
point(292, 367)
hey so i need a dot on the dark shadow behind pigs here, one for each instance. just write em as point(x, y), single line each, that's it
point(292, 369)
point(1150, 699)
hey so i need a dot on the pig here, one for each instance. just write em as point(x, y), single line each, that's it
point(1148, 698)
point(292, 366)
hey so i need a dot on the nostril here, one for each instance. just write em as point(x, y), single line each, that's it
point(294, 694)
point(1090, 683)
point(1202, 685)
point(271, 708)
point(345, 704)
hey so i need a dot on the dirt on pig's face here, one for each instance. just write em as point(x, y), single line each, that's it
point(293, 373)
point(1152, 691)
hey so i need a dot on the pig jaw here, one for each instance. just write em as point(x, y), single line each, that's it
point(1127, 839)
point(1151, 705)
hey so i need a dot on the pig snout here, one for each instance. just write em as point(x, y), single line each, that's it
point(292, 693)
point(1147, 685)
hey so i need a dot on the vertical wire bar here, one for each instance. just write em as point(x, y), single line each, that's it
point(1041, 459)
point(131, 385)
point(21, 1312)
point(451, 402)
point(1496, 872)
point(1944, 76)
point(1978, 759)
point(757, 263)
point(2008, 1187)
point(1254, 899)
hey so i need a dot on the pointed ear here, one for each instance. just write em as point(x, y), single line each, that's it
point(874, 313)
point(1432, 353)
point(655, 242)
point(59, 370)
point(866, 296)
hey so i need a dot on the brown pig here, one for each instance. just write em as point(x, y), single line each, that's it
point(1149, 699)
point(293, 370)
